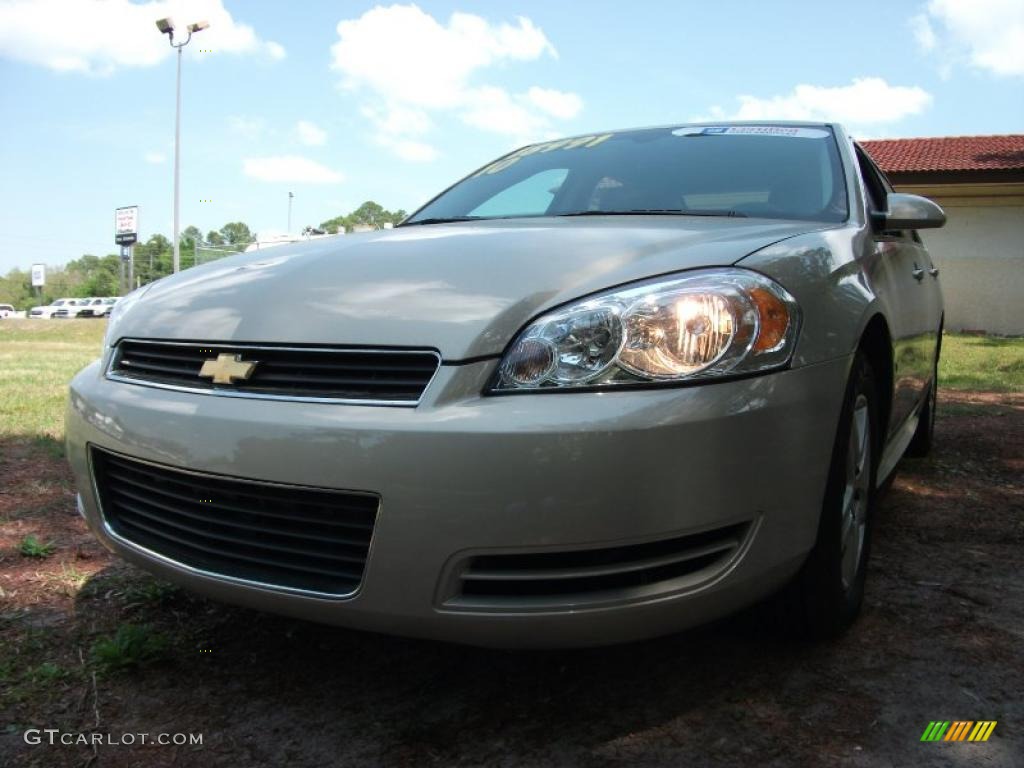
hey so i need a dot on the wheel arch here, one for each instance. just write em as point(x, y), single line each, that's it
point(876, 344)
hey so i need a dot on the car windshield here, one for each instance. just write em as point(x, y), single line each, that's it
point(779, 172)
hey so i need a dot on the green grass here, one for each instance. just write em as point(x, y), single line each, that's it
point(37, 360)
point(31, 546)
point(47, 672)
point(982, 363)
point(68, 581)
point(132, 646)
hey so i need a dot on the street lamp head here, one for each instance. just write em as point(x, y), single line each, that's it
point(199, 26)
point(166, 26)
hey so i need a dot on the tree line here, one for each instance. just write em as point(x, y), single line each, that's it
point(91, 275)
point(369, 214)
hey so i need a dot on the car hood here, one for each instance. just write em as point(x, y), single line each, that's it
point(463, 289)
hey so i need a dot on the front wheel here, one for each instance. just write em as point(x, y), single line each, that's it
point(826, 595)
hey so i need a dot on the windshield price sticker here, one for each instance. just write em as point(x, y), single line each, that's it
point(787, 131)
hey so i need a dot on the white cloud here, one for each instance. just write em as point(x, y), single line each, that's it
point(989, 34)
point(411, 150)
point(560, 104)
point(310, 134)
point(156, 158)
point(494, 109)
point(101, 36)
point(866, 101)
point(404, 53)
point(924, 34)
point(397, 128)
point(373, 55)
point(290, 168)
point(396, 119)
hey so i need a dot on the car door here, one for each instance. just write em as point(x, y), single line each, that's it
point(927, 342)
point(900, 278)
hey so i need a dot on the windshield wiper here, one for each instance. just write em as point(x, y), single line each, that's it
point(442, 220)
point(657, 212)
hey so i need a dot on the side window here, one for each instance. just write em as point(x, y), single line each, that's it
point(530, 197)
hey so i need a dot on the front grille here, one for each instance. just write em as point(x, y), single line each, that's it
point(293, 537)
point(552, 579)
point(390, 377)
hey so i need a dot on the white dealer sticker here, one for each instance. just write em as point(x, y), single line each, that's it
point(752, 130)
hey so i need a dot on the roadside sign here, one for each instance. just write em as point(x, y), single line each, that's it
point(38, 275)
point(126, 225)
point(126, 253)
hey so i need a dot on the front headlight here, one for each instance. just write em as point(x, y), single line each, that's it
point(705, 324)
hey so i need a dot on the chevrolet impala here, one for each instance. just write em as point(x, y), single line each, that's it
point(603, 388)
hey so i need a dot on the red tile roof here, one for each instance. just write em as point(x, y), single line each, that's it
point(948, 153)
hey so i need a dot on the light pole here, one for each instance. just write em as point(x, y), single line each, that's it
point(290, 196)
point(166, 26)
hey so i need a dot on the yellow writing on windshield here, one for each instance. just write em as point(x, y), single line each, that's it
point(580, 142)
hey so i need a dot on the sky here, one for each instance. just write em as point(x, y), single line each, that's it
point(341, 102)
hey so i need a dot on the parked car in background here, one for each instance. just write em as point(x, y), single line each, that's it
point(601, 389)
point(99, 307)
point(47, 312)
point(6, 310)
point(72, 309)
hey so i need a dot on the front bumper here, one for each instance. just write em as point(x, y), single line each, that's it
point(463, 474)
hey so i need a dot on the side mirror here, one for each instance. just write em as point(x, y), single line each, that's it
point(909, 212)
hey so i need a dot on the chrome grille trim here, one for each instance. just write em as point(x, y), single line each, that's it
point(115, 373)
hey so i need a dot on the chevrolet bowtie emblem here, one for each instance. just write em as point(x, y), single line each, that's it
point(227, 368)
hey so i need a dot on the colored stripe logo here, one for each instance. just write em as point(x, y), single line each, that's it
point(958, 730)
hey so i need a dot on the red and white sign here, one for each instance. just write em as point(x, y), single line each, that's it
point(126, 225)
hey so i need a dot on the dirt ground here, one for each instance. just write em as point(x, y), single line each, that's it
point(941, 638)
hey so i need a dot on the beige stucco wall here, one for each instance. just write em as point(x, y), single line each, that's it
point(980, 253)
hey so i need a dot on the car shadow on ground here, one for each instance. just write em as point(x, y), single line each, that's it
point(274, 685)
point(939, 638)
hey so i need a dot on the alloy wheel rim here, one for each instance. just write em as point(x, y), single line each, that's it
point(856, 492)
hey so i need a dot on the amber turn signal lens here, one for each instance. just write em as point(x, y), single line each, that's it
point(774, 320)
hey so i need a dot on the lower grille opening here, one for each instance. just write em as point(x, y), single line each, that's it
point(296, 537)
point(548, 578)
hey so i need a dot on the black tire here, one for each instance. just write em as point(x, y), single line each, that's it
point(824, 599)
point(921, 443)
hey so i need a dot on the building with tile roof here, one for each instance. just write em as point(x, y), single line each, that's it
point(979, 181)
